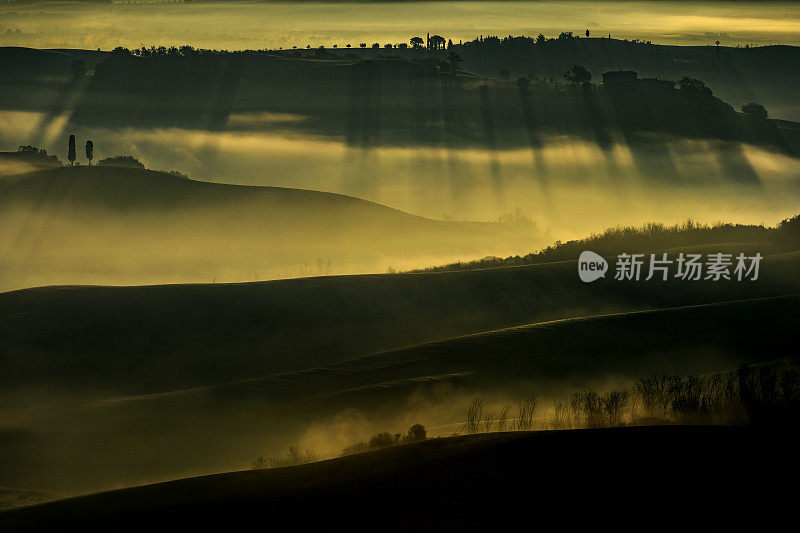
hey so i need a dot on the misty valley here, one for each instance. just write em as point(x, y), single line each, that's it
point(262, 258)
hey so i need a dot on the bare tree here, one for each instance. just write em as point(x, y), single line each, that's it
point(502, 419)
point(474, 416)
point(525, 412)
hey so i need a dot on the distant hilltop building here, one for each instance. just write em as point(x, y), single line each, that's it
point(435, 42)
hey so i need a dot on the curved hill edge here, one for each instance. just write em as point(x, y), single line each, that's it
point(435, 479)
point(93, 173)
point(395, 357)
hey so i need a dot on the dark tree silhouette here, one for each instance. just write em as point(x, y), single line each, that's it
point(436, 42)
point(28, 149)
point(417, 432)
point(381, 440)
point(416, 42)
point(454, 59)
point(540, 39)
point(587, 32)
point(89, 151)
point(71, 155)
point(121, 161)
point(691, 83)
point(578, 74)
point(755, 110)
point(121, 51)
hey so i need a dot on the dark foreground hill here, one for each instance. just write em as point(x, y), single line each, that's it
point(68, 446)
point(122, 226)
point(478, 482)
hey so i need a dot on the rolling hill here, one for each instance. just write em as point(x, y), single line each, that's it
point(123, 226)
point(66, 445)
point(406, 97)
point(200, 335)
point(467, 483)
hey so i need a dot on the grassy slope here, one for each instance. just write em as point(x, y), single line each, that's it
point(200, 335)
point(458, 483)
point(128, 190)
point(684, 340)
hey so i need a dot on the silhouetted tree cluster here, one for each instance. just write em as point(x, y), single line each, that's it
point(72, 153)
point(577, 75)
point(454, 59)
point(163, 51)
point(35, 155)
point(692, 84)
point(384, 439)
point(121, 161)
point(755, 110)
point(416, 432)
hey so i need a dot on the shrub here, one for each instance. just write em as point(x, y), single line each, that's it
point(755, 110)
point(502, 419)
point(586, 409)
point(382, 440)
point(358, 447)
point(474, 416)
point(416, 432)
point(559, 419)
point(525, 412)
point(613, 404)
point(121, 161)
point(294, 456)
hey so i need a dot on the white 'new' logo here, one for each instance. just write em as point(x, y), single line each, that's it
point(591, 266)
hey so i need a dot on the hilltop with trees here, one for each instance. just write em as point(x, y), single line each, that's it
point(392, 96)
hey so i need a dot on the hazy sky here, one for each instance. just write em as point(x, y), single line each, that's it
point(255, 25)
